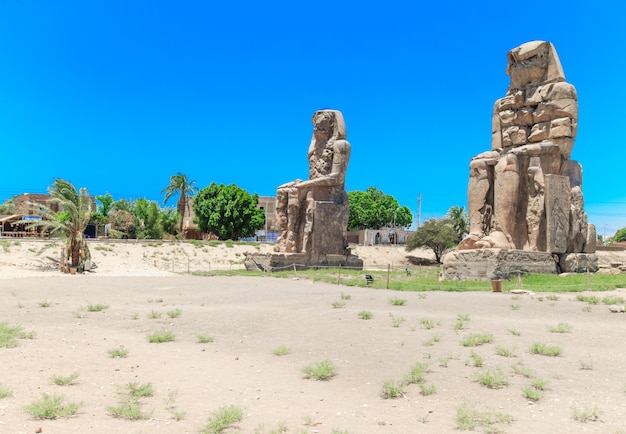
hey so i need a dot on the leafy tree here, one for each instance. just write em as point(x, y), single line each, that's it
point(123, 221)
point(373, 209)
point(8, 207)
point(460, 221)
point(122, 205)
point(182, 186)
point(436, 234)
point(620, 235)
point(147, 219)
point(71, 222)
point(169, 219)
point(227, 211)
point(106, 201)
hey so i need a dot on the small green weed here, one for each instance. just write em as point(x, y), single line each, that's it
point(129, 410)
point(531, 393)
point(515, 332)
point(222, 419)
point(118, 353)
point(562, 327)
point(476, 361)
point(610, 300)
point(321, 371)
point(468, 418)
point(161, 337)
point(476, 339)
point(514, 306)
point(346, 296)
point(205, 339)
point(392, 389)
point(154, 315)
point(427, 323)
point(427, 390)
point(283, 350)
point(396, 321)
point(44, 303)
point(364, 314)
point(505, 352)
point(64, 381)
point(586, 365)
point(52, 407)
point(174, 313)
point(586, 414)
point(493, 379)
point(97, 307)
point(338, 304)
point(5, 391)
point(552, 297)
point(591, 299)
point(138, 391)
point(545, 350)
point(520, 369)
point(417, 373)
point(397, 301)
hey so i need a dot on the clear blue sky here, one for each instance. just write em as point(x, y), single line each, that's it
point(118, 95)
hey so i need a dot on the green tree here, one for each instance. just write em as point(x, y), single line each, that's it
point(227, 211)
point(436, 234)
point(106, 200)
point(182, 186)
point(7, 208)
point(373, 209)
point(148, 219)
point(71, 222)
point(620, 235)
point(460, 221)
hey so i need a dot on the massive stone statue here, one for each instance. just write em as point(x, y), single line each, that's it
point(526, 194)
point(312, 215)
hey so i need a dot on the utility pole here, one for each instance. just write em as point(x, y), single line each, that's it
point(419, 208)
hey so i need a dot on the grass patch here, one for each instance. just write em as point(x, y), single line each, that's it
point(586, 414)
point(44, 303)
point(417, 373)
point(346, 296)
point(5, 391)
point(283, 350)
point(118, 353)
point(338, 304)
point(321, 371)
point(9, 335)
point(493, 379)
point(504, 352)
point(427, 323)
point(610, 300)
point(97, 307)
point(545, 350)
point(561, 327)
point(174, 313)
point(154, 315)
point(161, 337)
point(585, 365)
point(392, 389)
point(396, 321)
point(205, 339)
point(397, 301)
point(222, 419)
point(427, 390)
point(476, 339)
point(52, 407)
point(591, 299)
point(552, 297)
point(515, 332)
point(532, 394)
point(520, 369)
point(137, 391)
point(59, 380)
point(469, 418)
point(432, 340)
point(129, 410)
point(476, 360)
point(364, 314)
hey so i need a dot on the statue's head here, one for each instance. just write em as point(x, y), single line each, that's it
point(329, 124)
point(533, 63)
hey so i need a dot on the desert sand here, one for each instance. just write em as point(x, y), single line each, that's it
point(250, 317)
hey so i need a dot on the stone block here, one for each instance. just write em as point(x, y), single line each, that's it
point(539, 132)
point(561, 127)
point(578, 262)
point(557, 203)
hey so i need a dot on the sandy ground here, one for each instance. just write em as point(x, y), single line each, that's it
point(251, 317)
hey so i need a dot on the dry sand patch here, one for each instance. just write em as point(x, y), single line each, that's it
point(250, 317)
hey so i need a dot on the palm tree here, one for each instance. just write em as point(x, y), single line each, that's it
point(71, 221)
point(460, 220)
point(180, 184)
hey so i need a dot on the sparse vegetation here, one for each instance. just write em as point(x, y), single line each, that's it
point(493, 378)
point(586, 414)
point(505, 352)
point(205, 339)
point(427, 323)
point(476, 339)
point(586, 365)
point(97, 307)
point(222, 419)
point(59, 380)
point(469, 418)
point(321, 371)
point(5, 391)
point(44, 303)
point(562, 327)
point(515, 332)
point(476, 360)
point(338, 304)
point(52, 407)
point(161, 337)
point(591, 299)
point(364, 314)
point(118, 353)
point(427, 390)
point(283, 350)
point(545, 350)
point(397, 301)
point(154, 315)
point(174, 313)
point(9, 335)
point(392, 389)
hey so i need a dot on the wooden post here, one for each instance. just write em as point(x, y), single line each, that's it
point(388, 272)
point(339, 275)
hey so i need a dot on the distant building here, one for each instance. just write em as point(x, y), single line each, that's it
point(372, 237)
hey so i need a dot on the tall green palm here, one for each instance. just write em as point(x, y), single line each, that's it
point(182, 186)
point(460, 220)
point(71, 221)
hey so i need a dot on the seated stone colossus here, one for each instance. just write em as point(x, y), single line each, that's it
point(526, 193)
point(525, 200)
point(313, 215)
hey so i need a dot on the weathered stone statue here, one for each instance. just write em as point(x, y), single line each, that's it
point(312, 215)
point(318, 206)
point(526, 194)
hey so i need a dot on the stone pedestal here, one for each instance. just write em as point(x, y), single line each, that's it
point(301, 261)
point(496, 264)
